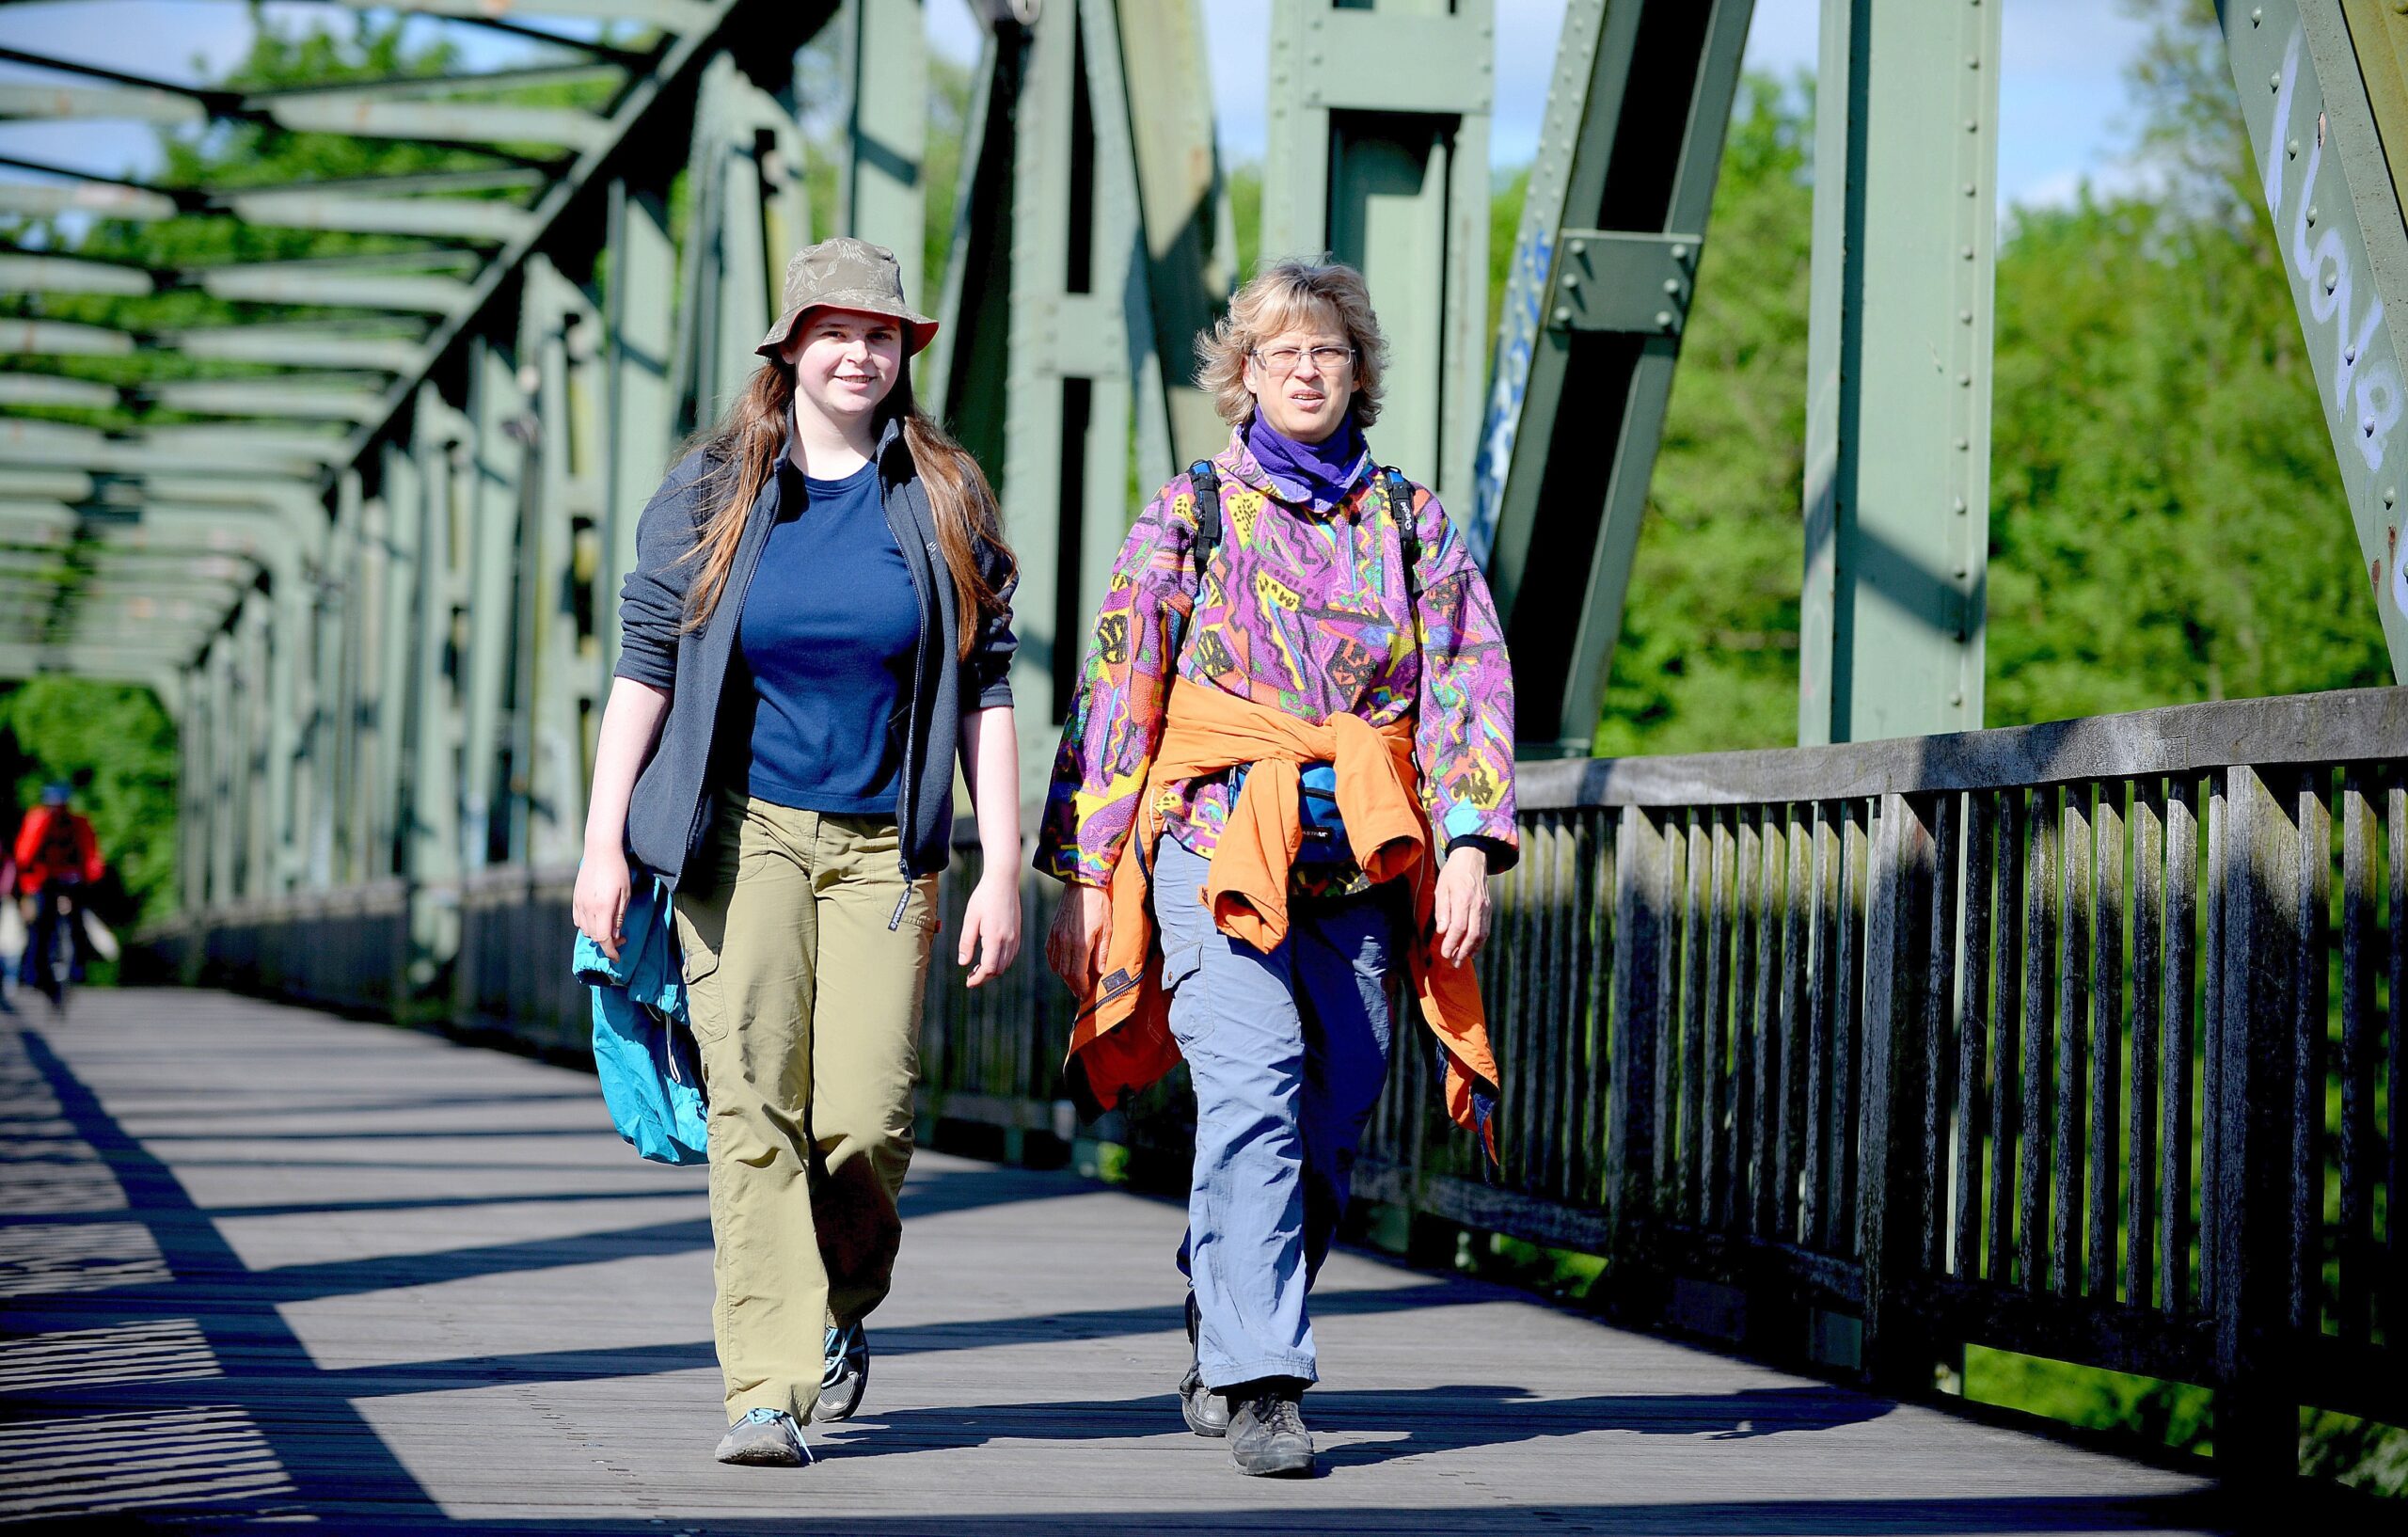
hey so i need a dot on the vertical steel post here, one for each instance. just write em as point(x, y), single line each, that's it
point(1595, 306)
point(399, 644)
point(643, 277)
point(554, 687)
point(2324, 88)
point(1378, 153)
point(373, 635)
point(497, 463)
point(224, 770)
point(432, 842)
point(1191, 247)
point(1898, 390)
point(883, 195)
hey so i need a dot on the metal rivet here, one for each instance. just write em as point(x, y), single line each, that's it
point(2329, 281)
point(1972, 127)
point(2311, 213)
point(1969, 253)
point(1572, 279)
point(1579, 248)
point(2274, 82)
point(1680, 253)
point(1970, 189)
point(2256, 16)
point(1563, 315)
point(1672, 286)
point(1965, 316)
point(2365, 424)
point(1962, 445)
point(2290, 150)
point(1960, 505)
point(1972, 63)
point(2348, 354)
point(1663, 319)
point(2390, 495)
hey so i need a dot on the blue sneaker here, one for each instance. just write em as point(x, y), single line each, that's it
point(845, 1375)
point(765, 1439)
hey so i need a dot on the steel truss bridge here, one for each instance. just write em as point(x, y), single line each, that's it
point(1874, 1030)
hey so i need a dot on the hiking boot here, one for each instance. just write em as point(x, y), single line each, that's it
point(845, 1375)
point(1267, 1436)
point(1207, 1412)
point(765, 1439)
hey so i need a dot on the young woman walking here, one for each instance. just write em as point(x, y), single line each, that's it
point(818, 620)
point(1291, 761)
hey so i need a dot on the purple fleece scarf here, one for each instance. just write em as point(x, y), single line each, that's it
point(1316, 475)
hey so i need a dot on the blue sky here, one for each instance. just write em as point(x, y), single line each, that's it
point(2062, 95)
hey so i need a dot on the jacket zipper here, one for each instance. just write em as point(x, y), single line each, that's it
point(702, 803)
point(910, 728)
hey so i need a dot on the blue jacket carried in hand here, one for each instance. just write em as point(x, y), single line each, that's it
point(641, 1045)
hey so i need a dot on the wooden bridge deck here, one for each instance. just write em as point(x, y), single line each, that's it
point(260, 1263)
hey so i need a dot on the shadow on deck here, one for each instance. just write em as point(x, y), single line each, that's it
point(257, 1264)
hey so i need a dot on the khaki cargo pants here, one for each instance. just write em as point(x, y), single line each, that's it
point(806, 1006)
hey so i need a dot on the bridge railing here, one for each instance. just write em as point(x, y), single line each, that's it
point(2082, 1041)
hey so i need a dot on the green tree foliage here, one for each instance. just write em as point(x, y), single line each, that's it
point(117, 737)
point(2166, 521)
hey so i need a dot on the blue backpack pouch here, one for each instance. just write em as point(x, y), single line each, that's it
point(1317, 809)
point(643, 1049)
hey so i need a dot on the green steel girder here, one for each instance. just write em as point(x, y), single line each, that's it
point(374, 115)
point(641, 325)
point(1050, 365)
point(343, 397)
point(747, 205)
point(408, 293)
point(1898, 371)
point(2323, 93)
point(25, 98)
point(55, 389)
point(62, 339)
point(166, 450)
point(1603, 270)
point(881, 197)
point(300, 346)
point(436, 218)
point(1378, 153)
point(100, 199)
point(24, 271)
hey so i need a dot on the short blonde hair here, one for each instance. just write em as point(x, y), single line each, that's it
point(1282, 297)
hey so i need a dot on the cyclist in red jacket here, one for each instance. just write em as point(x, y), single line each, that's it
point(56, 853)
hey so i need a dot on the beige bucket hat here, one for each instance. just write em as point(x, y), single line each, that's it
point(843, 273)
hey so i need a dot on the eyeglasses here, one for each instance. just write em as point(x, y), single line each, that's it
point(1283, 361)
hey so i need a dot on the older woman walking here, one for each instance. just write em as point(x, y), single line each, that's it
point(1286, 776)
point(818, 620)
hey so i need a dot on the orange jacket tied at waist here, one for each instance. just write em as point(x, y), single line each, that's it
point(1122, 1038)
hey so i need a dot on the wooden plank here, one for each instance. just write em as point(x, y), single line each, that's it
point(2040, 918)
point(1699, 941)
point(1847, 1032)
point(1715, 1163)
point(2006, 1034)
point(1938, 1003)
point(2358, 1139)
point(1972, 1032)
point(1747, 1023)
point(2393, 1303)
point(2309, 991)
point(2140, 1162)
point(2192, 1019)
point(1632, 1086)
point(1823, 940)
point(2073, 1036)
point(2107, 1038)
point(1797, 969)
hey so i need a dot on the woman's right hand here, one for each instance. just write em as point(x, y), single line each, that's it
point(600, 905)
point(1081, 930)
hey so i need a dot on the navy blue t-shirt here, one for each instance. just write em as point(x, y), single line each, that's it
point(827, 640)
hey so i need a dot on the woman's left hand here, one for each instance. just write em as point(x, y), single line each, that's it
point(1461, 911)
point(992, 915)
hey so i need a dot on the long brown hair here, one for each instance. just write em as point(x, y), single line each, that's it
point(741, 453)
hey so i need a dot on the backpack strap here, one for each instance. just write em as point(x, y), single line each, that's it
point(1206, 481)
point(1399, 492)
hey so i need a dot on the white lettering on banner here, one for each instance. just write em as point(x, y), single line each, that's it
point(2368, 399)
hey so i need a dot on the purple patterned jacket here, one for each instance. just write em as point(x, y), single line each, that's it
point(1306, 613)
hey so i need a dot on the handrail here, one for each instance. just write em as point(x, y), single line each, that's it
point(2021, 1037)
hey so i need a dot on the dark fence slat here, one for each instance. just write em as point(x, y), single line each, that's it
point(1973, 1027)
point(2040, 918)
point(2188, 987)
point(1848, 1030)
point(1937, 1004)
point(2358, 1028)
point(1747, 1021)
point(2106, 1037)
point(2310, 993)
point(2006, 1034)
point(2394, 1292)
point(2072, 1040)
point(1797, 980)
point(1823, 919)
point(2149, 899)
point(1714, 1075)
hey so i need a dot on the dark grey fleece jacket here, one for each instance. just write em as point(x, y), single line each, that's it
point(670, 811)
